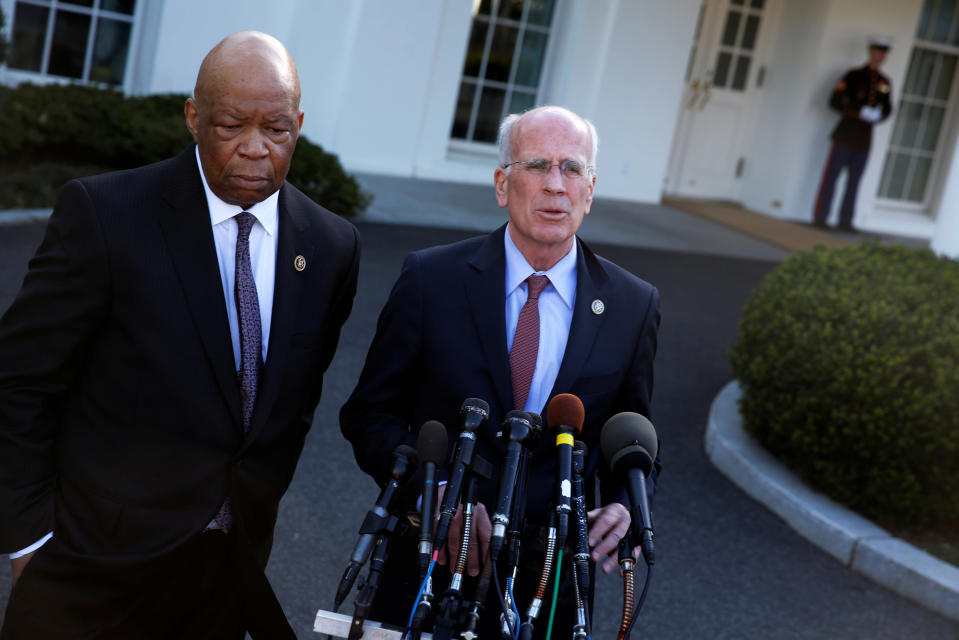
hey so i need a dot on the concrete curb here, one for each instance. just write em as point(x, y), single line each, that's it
point(848, 537)
point(23, 216)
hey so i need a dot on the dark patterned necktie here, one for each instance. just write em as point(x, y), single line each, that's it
point(248, 321)
point(522, 357)
point(248, 318)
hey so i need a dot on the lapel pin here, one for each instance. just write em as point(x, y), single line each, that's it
point(598, 307)
point(299, 263)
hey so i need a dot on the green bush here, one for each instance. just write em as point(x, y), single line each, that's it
point(849, 360)
point(48, 133)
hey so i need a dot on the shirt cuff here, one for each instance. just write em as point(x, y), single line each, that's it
point(33, 547)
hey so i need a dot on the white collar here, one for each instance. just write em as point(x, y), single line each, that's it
point(562, 275)
point(264, 211)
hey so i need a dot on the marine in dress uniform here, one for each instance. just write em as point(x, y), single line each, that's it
point(863, 97)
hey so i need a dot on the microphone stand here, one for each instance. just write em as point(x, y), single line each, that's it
point(363, 602)
point(448, 614)
point(526, 629)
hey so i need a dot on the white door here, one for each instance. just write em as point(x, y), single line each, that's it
point(723, 82)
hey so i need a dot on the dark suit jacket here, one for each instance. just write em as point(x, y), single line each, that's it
point(120, 425)
point(442, 338)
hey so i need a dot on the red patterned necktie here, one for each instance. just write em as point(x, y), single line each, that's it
point(248, 321)
point(522, 357)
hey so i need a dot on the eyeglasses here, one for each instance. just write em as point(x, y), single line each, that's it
point(540, 167)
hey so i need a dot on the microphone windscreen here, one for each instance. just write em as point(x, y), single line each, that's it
point(629, 440)
point(432, 442)
point(566, 409)
point(475, 404)
point(407, 451)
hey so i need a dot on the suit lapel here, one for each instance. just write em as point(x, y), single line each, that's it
point(189, 237)
point(292, 241)
point(590, 284)
point(485, 292)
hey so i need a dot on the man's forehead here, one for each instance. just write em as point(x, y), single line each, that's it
point(551, 132)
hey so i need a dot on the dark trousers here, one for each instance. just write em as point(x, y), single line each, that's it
point(840, 157)
point(195, 592)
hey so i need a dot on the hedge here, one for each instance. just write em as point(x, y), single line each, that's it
point(51, 133)
point(849, 360)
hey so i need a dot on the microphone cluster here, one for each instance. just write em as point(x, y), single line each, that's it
point(629, 446)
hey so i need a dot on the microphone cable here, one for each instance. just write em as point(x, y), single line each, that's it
point(419, 594)
point(639, 605)
point(552, 608)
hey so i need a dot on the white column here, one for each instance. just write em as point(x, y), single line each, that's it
point(945, 238)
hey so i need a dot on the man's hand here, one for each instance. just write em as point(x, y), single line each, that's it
point(479, 538)
point(17, 565)
point(607, 526)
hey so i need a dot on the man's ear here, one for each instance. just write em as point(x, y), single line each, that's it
point(500, 181)
point(192, 116)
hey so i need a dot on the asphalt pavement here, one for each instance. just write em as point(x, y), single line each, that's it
point(726, 567)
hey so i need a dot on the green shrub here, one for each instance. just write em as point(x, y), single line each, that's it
point(47, 132)
point(849, 360)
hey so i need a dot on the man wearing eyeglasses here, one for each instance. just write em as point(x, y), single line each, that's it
point(454, 326)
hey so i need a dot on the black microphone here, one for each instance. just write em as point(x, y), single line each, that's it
point(473, 415)
point(580, 543)
point(404, 463)
point(431, 445)
point(630, 446)
point(565, 415)
point(516, 431)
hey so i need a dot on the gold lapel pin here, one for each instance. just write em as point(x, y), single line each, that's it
point(598, 307)
point(299, 263)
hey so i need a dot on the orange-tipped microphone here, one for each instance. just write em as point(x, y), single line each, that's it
point(565, 415)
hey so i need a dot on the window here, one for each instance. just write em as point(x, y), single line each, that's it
point(736, 48)
point(80, 39)
point(923, 109)
point(504, 62)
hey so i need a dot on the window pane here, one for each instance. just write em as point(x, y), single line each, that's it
point(739, 2)
point(909, 124)
point(540, 12)
point(485, 7)
point(490, 113)
point(894, 176)
point(920, 72)
point(110, 51)
point(946, 72)
point(756, 4)
point(521, 101)
point(732, 28)
point(920, 175)
point(924, 20)
point(69, 44)
point(511, 9)
point(531, 59)
point(474, 54)
point(81, 3)
point(120, 6)
point(930, 136)
point(722, 69)
point(29, 33)
point(501, 53)
point(940, 28)
point(464, 107)
point(752, 30)
point(742, 73)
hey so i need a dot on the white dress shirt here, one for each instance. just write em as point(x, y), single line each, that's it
point(555, 315)
point(263, 240)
